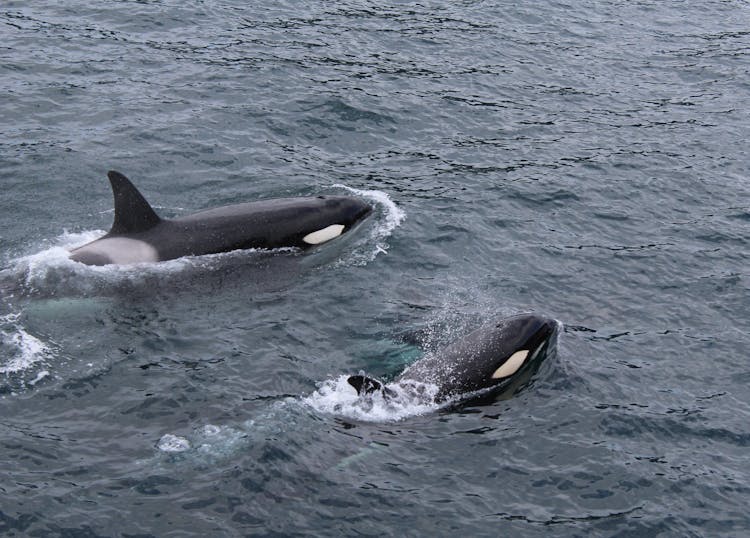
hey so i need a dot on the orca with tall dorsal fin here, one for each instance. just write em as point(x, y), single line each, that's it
point(489, 360)
point(139, 235)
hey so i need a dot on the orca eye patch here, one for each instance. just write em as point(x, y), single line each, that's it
point(326, 234)
point(512, 365)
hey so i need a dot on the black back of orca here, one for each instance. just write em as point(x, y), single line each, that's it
point(139, 234)
point(488, 357)
point(492, 357)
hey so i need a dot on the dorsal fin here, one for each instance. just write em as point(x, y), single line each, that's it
point(364, 384)
point(133, 213)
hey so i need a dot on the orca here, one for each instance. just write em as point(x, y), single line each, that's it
point(139, 235)
point(488, 361)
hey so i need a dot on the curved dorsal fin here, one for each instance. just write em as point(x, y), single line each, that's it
point(133, 213)
point(364, 384)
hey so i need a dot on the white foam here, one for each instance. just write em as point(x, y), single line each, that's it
point(41, 375)
point(26, 350)
point(218, 441)
point(49, 267)
point(173, 443)
point(210, 430)
point(38, 264)
point(338, 397)
point(393, 217)
point(207, 442)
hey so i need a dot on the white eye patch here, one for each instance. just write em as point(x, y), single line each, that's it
point(326, 234)
point(512, 365)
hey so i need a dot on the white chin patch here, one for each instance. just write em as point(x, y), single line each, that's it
point(326, 234)
point(512, 365)
point(121, 250)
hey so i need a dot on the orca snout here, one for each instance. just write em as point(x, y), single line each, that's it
point(529, 325)
point(350, 209)
point(547, 326)
point(542, 330)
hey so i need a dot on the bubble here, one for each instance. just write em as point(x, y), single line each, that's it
point(173, 443)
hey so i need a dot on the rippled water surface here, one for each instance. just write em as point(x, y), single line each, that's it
point(584, 160)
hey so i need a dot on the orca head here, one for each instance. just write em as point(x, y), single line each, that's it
point(342, 212)
point(346, 210)
point(511, 346)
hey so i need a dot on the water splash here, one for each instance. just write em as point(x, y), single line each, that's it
point(337, 397)
point(210, 442)
point(23, 351)
point(392, 218)
point(171, 443)
point(52, 267)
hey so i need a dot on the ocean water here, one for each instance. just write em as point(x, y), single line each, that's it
point(585, 160)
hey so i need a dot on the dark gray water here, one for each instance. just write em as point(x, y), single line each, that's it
point(585, 160)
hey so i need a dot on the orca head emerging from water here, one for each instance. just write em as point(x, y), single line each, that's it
point(489, 359)
point(138, 234)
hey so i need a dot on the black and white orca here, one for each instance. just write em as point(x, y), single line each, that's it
point(138, 234)
point(488, 361)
